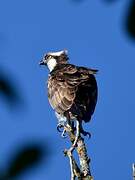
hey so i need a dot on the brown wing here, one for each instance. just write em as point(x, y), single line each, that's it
point(63, 86)
point(61, 94)
point(86, 99)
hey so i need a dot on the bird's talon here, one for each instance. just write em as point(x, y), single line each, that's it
point(85, 133)
point(63, 135)
point(59, 126)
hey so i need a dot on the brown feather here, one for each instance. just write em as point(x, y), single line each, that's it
point(73, 89)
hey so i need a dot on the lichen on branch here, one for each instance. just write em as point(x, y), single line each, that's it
point(81, 172)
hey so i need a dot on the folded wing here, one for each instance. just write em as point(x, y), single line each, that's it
point(74, 89)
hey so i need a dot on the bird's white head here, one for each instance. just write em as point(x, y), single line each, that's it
point(51, 59)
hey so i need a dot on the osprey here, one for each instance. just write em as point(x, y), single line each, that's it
point(72, 90)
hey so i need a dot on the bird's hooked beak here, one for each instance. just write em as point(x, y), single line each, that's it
point(43, 62)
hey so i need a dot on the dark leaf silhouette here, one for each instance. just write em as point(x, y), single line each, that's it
point(24, 159)
point(8, 90)
point(130, 21)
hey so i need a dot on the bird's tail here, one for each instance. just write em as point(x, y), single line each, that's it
point(93, 71)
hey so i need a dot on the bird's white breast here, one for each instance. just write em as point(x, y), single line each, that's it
point(51, 64)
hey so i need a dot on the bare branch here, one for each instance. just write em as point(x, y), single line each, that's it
point(84, 171)
point(75, 171)
point(83, 157)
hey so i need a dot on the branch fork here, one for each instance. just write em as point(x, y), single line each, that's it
point(81, 172)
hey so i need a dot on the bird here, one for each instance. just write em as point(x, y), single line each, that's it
point(72, 91)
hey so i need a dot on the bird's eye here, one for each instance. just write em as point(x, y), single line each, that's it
point(49, 57)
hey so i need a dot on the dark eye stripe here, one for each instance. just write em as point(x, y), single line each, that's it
point(48, 56)
point(55, 57)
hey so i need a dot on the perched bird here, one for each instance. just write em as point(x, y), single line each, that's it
point(72, 91)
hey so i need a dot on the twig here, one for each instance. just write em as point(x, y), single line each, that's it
point(82, 153)
point(71, 164)
point(75, 171)
point(83, 157)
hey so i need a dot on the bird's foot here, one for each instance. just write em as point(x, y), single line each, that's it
point(62, 122)
point(59, 128)
point(63, 135)
point(85, 133)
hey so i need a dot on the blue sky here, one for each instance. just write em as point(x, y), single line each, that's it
point(93, 32)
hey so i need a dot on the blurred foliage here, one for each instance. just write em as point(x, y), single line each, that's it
point(24, 159)
point(9, 90)
point(130, 16)
point(130, 20)
point(30, 156)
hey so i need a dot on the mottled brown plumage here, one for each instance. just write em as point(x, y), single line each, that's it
point(72, 90)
